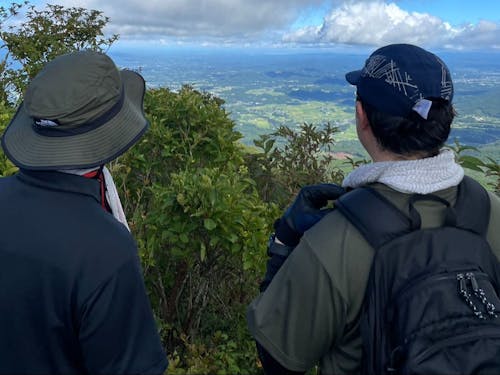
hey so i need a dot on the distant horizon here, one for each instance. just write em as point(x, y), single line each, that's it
point(354, 50)
point(362, 51)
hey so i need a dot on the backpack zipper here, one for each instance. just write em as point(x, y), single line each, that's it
point(426, 279)
point(478, 292)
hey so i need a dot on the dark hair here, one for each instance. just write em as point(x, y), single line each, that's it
point(412, 135)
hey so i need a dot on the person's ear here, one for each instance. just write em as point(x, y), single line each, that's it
point(361, 116)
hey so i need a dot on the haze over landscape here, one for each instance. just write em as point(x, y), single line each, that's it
point(265, 89)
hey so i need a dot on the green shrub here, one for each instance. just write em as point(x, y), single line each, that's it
point(43, 35)
point(485, 171)
point(6, 166)
point(288, 160)
point(201, 228)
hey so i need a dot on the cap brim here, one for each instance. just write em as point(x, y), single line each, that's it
point(353, 77)
point(30, 150)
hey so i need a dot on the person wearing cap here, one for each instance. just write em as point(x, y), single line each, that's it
point(309, 313)
point(73, 299)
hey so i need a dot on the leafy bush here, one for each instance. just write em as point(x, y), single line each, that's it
point(6, 166)
point(201, 228)
point(487, 172)
point(44, 35)
point(223, 356)
point(288, 160)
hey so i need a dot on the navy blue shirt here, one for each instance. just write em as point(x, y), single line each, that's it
point(72, 296)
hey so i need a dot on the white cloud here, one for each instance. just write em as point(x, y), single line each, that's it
point(264, 22)
point(195, 18)
point(484, 33)
point(378, 23)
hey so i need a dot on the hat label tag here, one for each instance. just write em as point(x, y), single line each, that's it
point(422, 107)
point(45, 123)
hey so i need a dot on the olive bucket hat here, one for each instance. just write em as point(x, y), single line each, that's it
point(80, 111)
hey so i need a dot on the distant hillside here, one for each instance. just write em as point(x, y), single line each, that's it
point(265, 89)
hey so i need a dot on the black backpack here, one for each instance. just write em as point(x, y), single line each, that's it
point(432, 300)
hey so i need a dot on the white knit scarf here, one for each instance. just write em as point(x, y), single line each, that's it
point(422, 176)
point(112, 196)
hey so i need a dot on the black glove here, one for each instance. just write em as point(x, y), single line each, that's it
point(305, 211)
point(277, 255)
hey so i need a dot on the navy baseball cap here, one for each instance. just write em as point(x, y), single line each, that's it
point(399, 78)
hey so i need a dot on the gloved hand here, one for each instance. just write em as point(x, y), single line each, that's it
point(274, 263)
point(305, 211)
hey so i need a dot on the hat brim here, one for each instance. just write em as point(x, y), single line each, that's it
point(353, 77)
point(30, 150)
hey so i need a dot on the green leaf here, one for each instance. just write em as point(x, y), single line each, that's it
point(268, 145)
point(203, 252)
point(184, 238)
point(472, 163)
point(209, 224)
point(233, 238)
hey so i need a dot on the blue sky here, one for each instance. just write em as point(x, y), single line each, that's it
point(456, 12)
point(447, 24)
point(453, 11)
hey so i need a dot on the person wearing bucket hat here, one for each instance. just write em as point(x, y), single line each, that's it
point(73, 298)
point(310, 312)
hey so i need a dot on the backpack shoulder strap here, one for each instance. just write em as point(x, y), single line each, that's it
point(376, 218)
point(379, 221)
point(472, 207)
